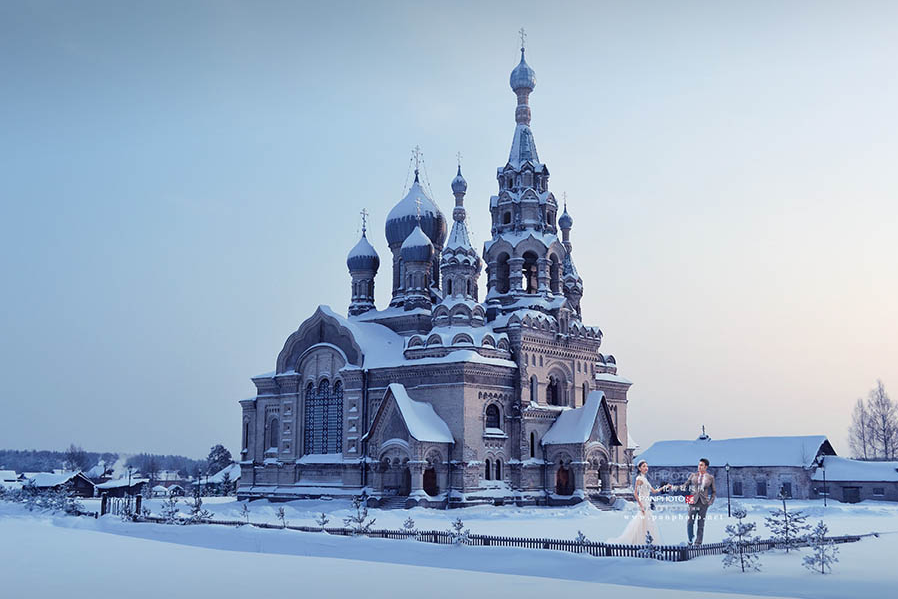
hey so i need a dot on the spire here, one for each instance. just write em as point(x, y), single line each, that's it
point(522, 81)
point(459, 263)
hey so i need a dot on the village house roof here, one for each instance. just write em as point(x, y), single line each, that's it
point(799, 451)
point(844, 469)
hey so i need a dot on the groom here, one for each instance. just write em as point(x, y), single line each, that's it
point(700, 485)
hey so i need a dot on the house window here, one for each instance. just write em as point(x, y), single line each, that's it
point(492, 416)
point(487, 471)
point(324, 418)
point(737, 488)
point(879, 491)
point(762, 488)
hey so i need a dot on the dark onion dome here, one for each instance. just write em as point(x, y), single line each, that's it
point(403, 218)
point(459, 185)
point(417, 247)
point(522, 77)
point(363, 256)
point(565, 221)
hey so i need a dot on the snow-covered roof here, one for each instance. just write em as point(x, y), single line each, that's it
point(612, 378)
point(233, 472)
point(523, 147)
point(8, 476)
point(844, 469)
point(797, 451)
point(97, 471)
point(122, 482)
point(422, 421)
point(575, 425)
point(516, 237)
point(631, 444)
point(49, 479)
point(160, 489)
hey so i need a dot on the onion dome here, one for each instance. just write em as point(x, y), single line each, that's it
point(522, 77)
point(363, 256)
point(459, 185)
point(403, 218)
point(565, 221)
point(417, 247)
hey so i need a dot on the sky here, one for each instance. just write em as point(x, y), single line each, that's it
point(180, 183)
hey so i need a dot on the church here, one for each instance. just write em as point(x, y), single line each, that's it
point(444, 398)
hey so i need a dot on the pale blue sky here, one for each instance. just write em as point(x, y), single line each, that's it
point(181, 181)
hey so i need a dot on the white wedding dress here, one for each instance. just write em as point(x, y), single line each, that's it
point(642, 523)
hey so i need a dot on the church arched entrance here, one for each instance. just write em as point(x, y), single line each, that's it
point(564, 481)
point(406, 486)
point(430, 482)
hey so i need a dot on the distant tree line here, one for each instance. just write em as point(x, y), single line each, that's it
point(33, 460)
point(150, 464)
point(873, 434)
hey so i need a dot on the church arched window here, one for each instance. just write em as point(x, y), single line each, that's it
point(246, 434)
point(498, 469)
point(324, 418)
point(506, 218)
point(531, 280)
point(585, 392)
point(553, 396)
point(532, 444)
point(554, 274)
point(448, 286)
point(273, 437)
point(487, 471)
point(502, 273)
point(492, 416)
point(534, 387)
point(469, 287)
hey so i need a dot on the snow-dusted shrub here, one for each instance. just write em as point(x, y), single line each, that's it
point(282, 516)
point(581, 538)
point(738, 541)
point(198, 514)
point(322, 520)
point(823, 552)
point(459, 534)
point(787, 527)
point(244, 513)
point(169, 511)
point(649, 550)
point(359, 523)
point(408, 525)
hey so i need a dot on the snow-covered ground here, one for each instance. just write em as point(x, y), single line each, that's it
point(41, 554)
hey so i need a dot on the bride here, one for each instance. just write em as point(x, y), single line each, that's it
point(643, 522)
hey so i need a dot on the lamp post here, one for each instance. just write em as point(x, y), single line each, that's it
point(727, 468)
point(822, 463)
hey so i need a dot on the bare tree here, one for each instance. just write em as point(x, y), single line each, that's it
point(859, 432)
point(883, 423)
point(76, 458)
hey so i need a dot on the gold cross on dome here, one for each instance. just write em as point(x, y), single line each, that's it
point(458, 157)
point(523, 35)
point(364, 214)
point(416, 153)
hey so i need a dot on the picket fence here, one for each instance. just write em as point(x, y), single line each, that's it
point(669, 553)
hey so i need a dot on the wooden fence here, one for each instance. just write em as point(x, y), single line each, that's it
point(670, 553)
